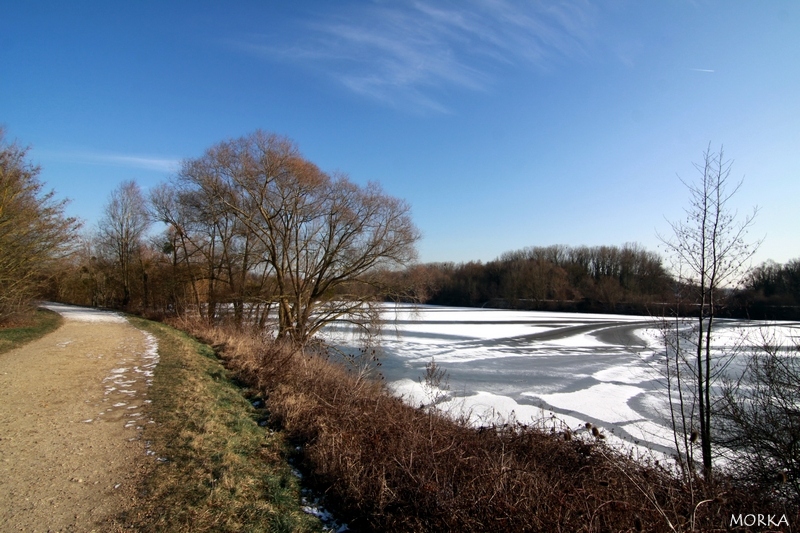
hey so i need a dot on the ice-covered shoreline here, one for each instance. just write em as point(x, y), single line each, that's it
point(531, 366)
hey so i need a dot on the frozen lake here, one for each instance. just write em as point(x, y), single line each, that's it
point(603, 369)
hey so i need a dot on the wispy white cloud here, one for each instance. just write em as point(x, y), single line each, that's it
point(701, 70)
point(411, 53)
point(130, 161)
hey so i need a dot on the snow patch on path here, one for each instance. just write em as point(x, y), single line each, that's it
point(84, 314)
point(135, 365)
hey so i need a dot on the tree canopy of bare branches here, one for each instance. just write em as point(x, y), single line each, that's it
point(33, 229)
point(317, 241)
point(122, 230)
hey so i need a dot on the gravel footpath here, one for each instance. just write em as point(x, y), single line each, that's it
point(70, 423)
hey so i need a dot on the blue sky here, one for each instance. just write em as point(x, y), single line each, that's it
point(504, 124)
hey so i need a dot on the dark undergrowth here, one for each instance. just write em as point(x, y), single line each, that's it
point(385, 466)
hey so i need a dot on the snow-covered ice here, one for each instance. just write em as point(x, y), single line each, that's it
point(523, 365)
point(607, 402)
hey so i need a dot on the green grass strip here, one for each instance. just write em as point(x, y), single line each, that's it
point(42, 322)
point(215, 468)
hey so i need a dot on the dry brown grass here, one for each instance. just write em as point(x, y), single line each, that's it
point(386, 466)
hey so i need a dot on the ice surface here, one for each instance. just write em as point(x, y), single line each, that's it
point(648, 431)
point(518, 365)
point(628, 373)
point(606, 401)
point(486, 408)
point(416, 393)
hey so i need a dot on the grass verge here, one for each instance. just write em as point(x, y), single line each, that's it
point(42, 322)
point(214, 468)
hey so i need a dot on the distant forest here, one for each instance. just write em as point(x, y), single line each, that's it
point(612, 279)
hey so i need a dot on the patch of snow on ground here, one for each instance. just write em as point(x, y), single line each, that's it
point(84, 314)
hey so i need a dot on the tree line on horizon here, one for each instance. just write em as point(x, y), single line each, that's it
point(536, 277)
point(616, 279)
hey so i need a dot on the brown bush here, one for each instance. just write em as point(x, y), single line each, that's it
point(386, 466)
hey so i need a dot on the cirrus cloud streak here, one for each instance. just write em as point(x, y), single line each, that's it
point(412, 54)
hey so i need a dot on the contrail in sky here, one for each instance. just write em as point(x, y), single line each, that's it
point(701, 70)
point(96, 158)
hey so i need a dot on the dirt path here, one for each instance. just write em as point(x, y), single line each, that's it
point(70, 423)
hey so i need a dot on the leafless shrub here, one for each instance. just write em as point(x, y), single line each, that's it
point(759, 421)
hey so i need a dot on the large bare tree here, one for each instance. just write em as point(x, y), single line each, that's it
point(322, 240)
point(33, 229)
point(121, 233)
